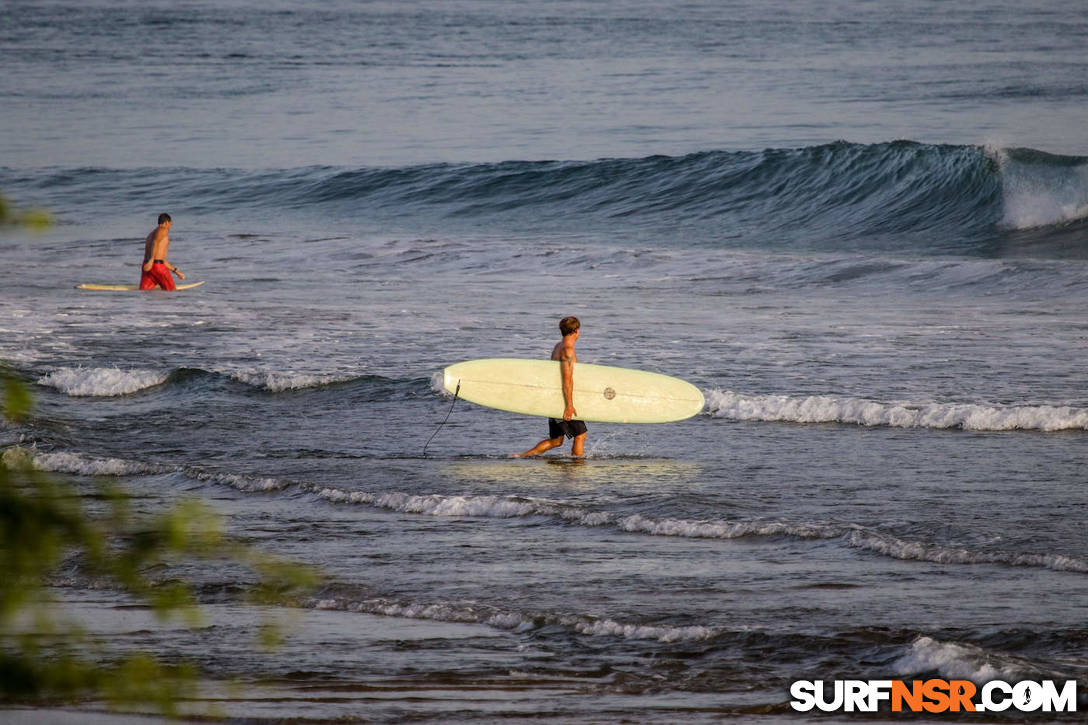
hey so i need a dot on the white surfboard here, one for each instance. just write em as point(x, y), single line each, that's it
point(601, 393)
point(131, 287)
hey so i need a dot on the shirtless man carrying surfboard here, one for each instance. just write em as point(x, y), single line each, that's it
point(156, 270)
point(563, 351)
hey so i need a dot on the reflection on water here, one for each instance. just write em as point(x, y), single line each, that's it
point(576, 472)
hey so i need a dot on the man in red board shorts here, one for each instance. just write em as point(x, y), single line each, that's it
point(156, 270)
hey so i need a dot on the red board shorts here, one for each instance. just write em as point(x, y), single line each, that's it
point(157, 276)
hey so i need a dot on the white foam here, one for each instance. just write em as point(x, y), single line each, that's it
point(436, 382)
point(250, 484)
point(607, 627)
point(586, 518)
point(84, 465)
point(723, 529)
point(855, 536)
point(857, 411)
point(102, 382)
point(473, 613)
point(1038, 194)
point(919, 551)
point(436, 611)
point(490, 506)
point(953, 661)
point(79, 464)
point(1028, 210)
point(437, 505)
point(279, 382)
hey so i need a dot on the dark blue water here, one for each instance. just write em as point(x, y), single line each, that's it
point(860, 230)
point(901, 197)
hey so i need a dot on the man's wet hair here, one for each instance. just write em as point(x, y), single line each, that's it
point(163, 218)
point(569, 325)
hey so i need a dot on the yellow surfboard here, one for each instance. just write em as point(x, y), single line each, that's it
point(602, 393)
point(130, 287)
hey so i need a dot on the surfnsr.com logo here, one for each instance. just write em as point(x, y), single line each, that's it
point(933, 696)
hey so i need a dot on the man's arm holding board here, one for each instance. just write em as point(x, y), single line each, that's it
point(566, 369)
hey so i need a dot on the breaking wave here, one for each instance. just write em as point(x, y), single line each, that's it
point(859, 411)
point(113, 381)
point(1040, 190)
point(899, 196)
point(102, 382)
point(78, 464)
point(280, 382)
point(958, 661)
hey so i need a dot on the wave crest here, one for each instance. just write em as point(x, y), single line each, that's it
point(277, 382)
point(1039, 189)
point(113, 381)
point(888, 196)
point(102, 382)
point(896, 548)
point(858, 411)
point(956, 661)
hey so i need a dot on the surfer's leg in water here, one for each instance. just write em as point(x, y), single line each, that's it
point(557, 430)
point(157, 276)
point(542, 447)
point(578, 448)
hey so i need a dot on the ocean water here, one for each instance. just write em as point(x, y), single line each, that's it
point(860, 228)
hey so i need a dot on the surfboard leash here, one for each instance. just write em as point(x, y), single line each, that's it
point(455, 392)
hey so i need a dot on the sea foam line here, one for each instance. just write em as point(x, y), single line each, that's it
point(437, 505)
point(491, 506)
point(851, 535)
point(473, 613)
point(896, 548)
point(857, 411)
point(276, 382)
point(83, 465)
point(112, 381)
point(78, 464)
point(505, 507)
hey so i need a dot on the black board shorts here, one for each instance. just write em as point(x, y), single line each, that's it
point(568, 428)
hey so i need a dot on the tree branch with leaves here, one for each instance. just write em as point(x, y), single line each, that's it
point(45, 523)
